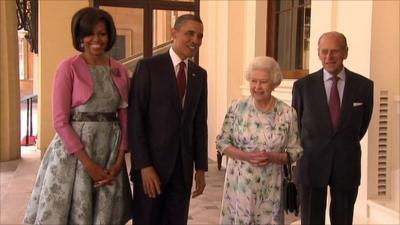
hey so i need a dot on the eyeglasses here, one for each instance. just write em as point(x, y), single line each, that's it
point(332, 52)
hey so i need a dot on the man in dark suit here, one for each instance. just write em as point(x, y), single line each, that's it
point(167, 126)
point(334, 107)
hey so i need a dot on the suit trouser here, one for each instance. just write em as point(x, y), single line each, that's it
point(313, 205)
point(170, 207)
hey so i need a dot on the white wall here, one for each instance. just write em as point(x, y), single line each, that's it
point(213, 57)
point(385, 71)
point(353, 19)
point(234, 33)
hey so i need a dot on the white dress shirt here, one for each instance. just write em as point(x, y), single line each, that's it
point(340, 84)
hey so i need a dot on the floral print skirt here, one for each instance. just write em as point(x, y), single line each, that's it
point(64, 192)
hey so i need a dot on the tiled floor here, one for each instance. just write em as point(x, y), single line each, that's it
point(18, 177)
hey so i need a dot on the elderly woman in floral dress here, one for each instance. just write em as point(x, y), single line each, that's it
point(259, 135)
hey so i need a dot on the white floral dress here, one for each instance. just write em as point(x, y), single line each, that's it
point(64, 192)
point(252, 195)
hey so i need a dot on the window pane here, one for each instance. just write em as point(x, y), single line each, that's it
point(298, 33)
point(163, 21)
point(297, 3)
point(301, 37)
point(289, 34)
point(306, 38)
point(22, 49)
point(283, 40)
point(129, 26)
point(283, 5)
point(128, 47)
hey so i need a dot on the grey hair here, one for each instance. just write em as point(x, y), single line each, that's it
point(338, 35)
point(267, 64)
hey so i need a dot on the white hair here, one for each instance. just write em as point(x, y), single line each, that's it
point(267, 64)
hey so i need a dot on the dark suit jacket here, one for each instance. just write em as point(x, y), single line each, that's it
point(331, 156)
point(158, 129)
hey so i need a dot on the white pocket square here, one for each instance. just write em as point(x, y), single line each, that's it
point(355, 104)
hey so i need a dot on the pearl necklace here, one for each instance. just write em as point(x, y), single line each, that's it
point(266, 108)
point(270, 106)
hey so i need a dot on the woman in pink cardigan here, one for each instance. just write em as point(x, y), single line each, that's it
point(83, 178)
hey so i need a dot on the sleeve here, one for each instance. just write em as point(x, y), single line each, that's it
point(123, 123)
point(297, 103)
point(293, 144)
point(138, 142)
point(62, 100)
point(225, 138)
point(123, 115)
point(201, 130)
point(369, 104)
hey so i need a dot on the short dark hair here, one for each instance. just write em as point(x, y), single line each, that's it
point(181, 20)
point(84, 21)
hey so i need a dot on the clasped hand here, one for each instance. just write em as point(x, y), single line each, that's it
point(262, 158)
point(102, 176)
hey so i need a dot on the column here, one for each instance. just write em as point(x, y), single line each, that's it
point(9, 83)
point(55, 45)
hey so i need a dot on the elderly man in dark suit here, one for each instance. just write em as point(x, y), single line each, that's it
point(334, 107)
point(167, 126)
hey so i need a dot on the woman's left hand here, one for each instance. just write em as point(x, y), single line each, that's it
point(272, 157)
point(113, 171)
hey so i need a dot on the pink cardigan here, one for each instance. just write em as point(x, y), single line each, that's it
point(73, 86)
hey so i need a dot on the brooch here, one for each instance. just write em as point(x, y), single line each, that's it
point(115, 72)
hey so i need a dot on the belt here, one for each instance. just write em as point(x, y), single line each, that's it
point(94, 116)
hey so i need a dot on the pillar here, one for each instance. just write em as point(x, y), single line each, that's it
point(9, 83)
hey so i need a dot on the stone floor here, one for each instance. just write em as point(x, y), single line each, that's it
point(206, 208)
point(18, 177)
